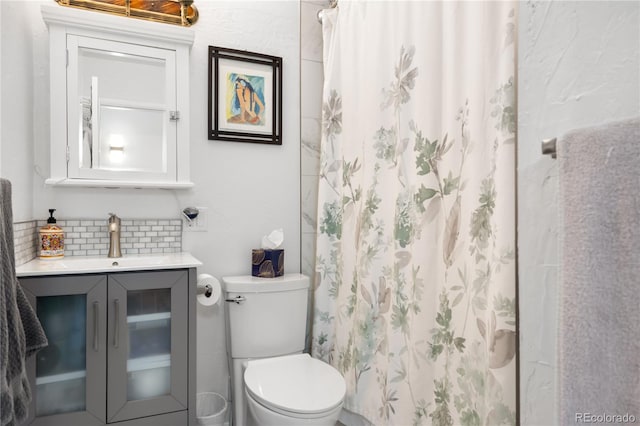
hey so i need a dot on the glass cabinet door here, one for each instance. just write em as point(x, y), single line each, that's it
point(67, 380)
point(61, 367)
point(147, 344)
point(149, 338)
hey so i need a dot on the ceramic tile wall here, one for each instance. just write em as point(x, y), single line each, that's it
point(24, 240)
point(311, 77)
point(89, 237)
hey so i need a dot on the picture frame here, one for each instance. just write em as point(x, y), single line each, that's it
point(245, 96)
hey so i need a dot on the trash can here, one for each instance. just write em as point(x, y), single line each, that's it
point(211, 409)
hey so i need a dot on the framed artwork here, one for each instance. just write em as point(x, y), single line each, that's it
point(245, 96)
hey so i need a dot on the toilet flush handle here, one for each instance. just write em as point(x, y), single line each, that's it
point(238, 299)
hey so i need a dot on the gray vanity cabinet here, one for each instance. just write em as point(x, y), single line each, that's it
point(120, 349)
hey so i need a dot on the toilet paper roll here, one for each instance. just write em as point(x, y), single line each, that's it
point(209, 290)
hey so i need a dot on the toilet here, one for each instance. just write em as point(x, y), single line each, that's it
point(273, 382)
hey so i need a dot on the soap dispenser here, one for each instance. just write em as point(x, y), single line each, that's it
point(51, 239)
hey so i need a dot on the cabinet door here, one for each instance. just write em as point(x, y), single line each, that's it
point(147, 344)
point(120, 100)
point(67, 377)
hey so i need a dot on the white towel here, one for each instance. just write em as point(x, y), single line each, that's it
point(21, 334)
point(599, 328)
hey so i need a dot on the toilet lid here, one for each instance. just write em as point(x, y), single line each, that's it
point(295, 383)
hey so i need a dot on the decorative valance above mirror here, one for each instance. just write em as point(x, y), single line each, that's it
point(179, 12)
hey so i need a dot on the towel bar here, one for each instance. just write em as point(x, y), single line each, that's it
point(549, 147)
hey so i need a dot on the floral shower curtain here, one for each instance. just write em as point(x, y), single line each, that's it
point(415, 268)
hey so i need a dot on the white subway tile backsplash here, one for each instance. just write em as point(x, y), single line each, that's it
point(89, 237)
point(25, 241)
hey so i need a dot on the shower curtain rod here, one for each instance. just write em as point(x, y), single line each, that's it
point(332, 4)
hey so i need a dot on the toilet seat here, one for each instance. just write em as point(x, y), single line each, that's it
point(295, 385)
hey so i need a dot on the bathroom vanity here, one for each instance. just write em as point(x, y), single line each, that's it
point(121, 340)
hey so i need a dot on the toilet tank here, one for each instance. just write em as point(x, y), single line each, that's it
point(270, 318)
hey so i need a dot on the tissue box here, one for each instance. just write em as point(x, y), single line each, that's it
point(267, 263)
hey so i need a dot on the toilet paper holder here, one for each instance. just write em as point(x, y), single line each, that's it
point(206, 289)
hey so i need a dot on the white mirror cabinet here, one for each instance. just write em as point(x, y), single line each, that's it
point(119, 100)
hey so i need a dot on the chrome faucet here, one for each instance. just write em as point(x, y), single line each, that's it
point(114, 236)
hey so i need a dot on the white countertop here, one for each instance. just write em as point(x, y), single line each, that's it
point(91, 264)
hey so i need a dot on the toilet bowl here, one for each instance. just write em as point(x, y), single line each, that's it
point(293, 390)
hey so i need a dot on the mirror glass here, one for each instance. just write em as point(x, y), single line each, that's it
point(123, 111)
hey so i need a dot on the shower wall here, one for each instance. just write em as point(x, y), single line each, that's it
point(311, 78)
point(311, 81)
point(578, 65)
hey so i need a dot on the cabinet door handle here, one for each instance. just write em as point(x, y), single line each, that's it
point(116, 320)
point(94, 144)
point(96, 327)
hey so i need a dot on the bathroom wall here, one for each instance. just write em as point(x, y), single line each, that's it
point(17, 119)
point(578, 65)
point(228, 176)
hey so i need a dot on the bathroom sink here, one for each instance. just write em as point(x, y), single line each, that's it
point(89, 264)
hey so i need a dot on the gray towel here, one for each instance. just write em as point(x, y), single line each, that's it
point(599, 329)
point(21, 334)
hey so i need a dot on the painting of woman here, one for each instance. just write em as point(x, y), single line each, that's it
point(247, 103)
